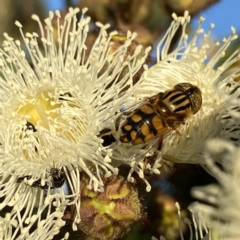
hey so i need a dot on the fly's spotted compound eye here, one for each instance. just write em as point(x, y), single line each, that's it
point(194, 94)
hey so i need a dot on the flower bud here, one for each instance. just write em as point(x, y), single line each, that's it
point(109, 214)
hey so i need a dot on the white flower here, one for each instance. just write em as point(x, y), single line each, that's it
point(197, 65)
point(221, 210)
point(51, 113)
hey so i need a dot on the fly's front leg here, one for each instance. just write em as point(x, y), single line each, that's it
point(174, 122)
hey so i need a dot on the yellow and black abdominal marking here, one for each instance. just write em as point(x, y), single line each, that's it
point(141, 126)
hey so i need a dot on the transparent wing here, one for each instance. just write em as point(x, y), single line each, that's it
point(157, 141)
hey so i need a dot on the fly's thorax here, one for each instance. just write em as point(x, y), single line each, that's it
point(194, 94)
point(174, 102)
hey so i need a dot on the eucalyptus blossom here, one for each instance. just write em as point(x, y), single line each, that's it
point(54, 95)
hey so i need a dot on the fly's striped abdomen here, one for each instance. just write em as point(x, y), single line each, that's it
point(141, 126)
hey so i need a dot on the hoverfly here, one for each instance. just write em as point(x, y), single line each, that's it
point(157, 116)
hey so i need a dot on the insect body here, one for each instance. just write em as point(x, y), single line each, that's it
point(57, 180)
point(160, 114)
point(36, 183)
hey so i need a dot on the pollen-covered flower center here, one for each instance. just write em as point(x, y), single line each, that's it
point(50, 118)
point(41, 110)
